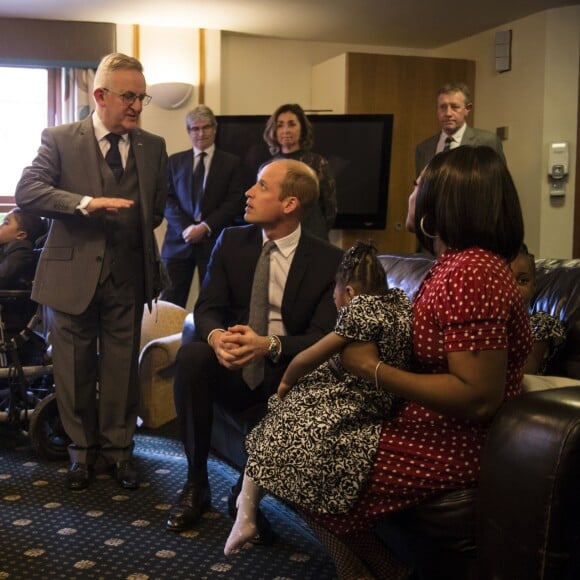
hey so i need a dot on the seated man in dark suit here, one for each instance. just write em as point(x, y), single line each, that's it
point(205, 194)
point(453, 106)
point(233, 361)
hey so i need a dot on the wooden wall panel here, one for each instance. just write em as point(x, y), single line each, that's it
point(404, 86)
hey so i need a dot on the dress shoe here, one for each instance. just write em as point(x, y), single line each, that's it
point(79, 476)
point(126, 474)
point(194, 500)
point(266, 535)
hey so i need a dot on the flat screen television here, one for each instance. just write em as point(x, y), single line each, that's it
point(358, 149)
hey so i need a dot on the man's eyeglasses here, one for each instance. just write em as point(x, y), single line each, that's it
point(204, 128)
point(129, 98)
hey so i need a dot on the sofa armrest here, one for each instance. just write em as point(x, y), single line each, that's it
point(161, 352)
point(529, 506)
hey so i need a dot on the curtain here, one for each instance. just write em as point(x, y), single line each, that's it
point(70, 95)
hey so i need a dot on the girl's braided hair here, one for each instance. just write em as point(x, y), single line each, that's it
point(361, 266)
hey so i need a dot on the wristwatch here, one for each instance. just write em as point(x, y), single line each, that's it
point(273, 347)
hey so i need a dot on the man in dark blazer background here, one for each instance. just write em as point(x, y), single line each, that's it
point(300, 311)
point(102, 181)
point(453, 106)
point(195, 219)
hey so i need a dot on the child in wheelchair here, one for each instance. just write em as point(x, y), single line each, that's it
point(27, 400)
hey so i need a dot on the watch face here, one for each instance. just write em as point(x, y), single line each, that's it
point(273, 348)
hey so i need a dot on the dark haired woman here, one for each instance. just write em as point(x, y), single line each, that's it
point(471, 338)
point(289, 135)
point(316, 446)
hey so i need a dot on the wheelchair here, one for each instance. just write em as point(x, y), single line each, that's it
point(27, 390)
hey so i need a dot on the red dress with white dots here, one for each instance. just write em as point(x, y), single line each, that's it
point(468, 301)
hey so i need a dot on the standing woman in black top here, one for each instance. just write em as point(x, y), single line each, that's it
point(289, 135)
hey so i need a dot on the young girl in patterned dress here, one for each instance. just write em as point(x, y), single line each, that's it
point(471, 338)
point(317, 444)
point(548, 332)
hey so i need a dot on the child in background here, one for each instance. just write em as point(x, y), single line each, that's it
point(548, 332)
point(18, 233)
point(316, 445)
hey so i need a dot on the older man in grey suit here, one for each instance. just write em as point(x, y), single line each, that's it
point(453, 106)
point(103, 183)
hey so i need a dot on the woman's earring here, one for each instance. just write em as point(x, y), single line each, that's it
point(427, 235)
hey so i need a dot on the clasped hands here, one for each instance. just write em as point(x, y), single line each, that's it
point(238, 345)
point(194, 233)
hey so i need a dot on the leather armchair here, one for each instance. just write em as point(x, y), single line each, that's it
point(160, 340)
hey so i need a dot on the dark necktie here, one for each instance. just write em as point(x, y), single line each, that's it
point(113, 156)
point(198, 179)
point(448, 142)
point(259, 311)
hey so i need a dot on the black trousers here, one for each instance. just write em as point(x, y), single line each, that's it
point(199, 382)
point(181, 270)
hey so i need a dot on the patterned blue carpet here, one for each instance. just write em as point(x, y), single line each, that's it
point(105, 532)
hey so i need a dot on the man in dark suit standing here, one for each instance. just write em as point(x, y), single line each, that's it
point(453, 106)
point(299, 308)
point(103, 183)
point(205, 193)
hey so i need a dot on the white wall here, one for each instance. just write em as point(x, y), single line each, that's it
point(259, 74)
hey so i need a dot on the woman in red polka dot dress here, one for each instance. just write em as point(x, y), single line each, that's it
point(471, 337)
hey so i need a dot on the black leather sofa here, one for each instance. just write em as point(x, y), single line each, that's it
point(523, 521)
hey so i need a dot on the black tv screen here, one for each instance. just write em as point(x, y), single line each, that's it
point(358, 149)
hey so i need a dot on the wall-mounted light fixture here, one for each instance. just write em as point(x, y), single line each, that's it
point(170, 95)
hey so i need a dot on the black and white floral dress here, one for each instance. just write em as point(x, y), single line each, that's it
point(315, 448)
point(550, 329)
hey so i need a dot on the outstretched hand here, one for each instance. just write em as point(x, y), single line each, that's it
point(108, 205)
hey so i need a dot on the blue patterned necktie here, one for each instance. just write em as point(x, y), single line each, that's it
point(448, 142)
point(259, 312)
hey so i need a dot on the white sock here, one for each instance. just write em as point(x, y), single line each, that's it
point(245, 526)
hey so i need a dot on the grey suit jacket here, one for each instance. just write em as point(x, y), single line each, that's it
point(425, 151)
point(65, 170)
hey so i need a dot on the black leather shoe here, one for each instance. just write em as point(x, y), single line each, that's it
point(266, 535)
point(126, 474)
point(79, 476)
point(194, 500)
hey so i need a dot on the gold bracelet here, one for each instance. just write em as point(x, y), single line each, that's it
point(377, 374)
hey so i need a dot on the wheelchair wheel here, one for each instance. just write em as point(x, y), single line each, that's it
point(46, 432)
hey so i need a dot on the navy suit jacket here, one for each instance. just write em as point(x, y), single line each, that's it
point(308, 309)
point(222, 202)
point(425, 151)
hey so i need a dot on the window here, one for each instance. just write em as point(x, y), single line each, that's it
point(24, 113)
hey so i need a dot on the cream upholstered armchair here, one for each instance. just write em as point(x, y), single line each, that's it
point(160, 341)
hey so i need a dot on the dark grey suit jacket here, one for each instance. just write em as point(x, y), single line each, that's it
point(222, 202)
point(425, 151)
point(65, 170)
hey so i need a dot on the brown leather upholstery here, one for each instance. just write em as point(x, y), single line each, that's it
point(529, 494)
point(558, 292)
